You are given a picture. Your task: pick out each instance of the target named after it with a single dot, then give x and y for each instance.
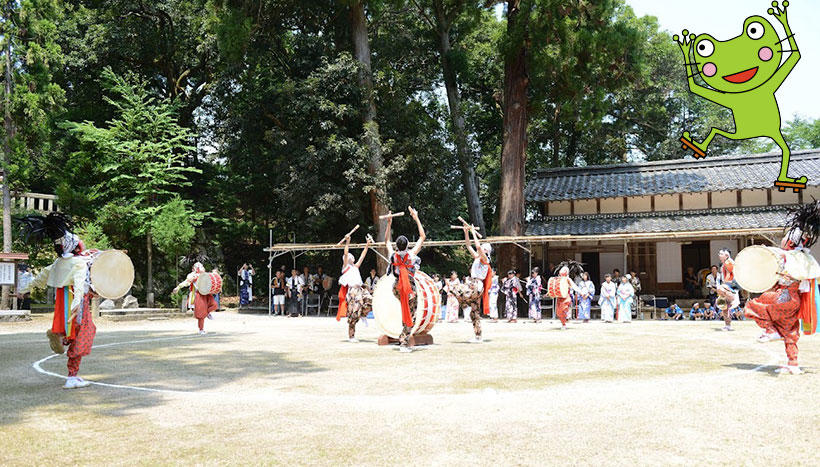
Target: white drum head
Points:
(756, 268)
(801, 265)
(386, 307)
(203, 284)
(112, 274)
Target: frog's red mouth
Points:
(742, 77)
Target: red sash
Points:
(404, 286)
(488, 282)
(342, 311)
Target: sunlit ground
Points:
(294, 391)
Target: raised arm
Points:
(467, 241)
(186, 283)
(780, 75)
(422, 235)
(478, 250)
(364, 252)
(691, 67)
(347, 248)
(388, 241)
(39, 280)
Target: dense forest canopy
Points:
(189, 128)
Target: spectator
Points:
(585, 300)
(616, 276)
(696, 312)
(625, 297)
(295, 293)
(534, 294)
(674, 311)
(451, 285)
(371, 280)
(712, 281)
(245, 274)
(608, 299)
(23, 282)
(493, 298)
(710, 312)
(690, 282)
(737, 313)
(511, 288)
(311, 286)
(636, 284)
(278, 286)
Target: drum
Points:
(757, 268)
(111, 274)
(387, 309)
(801, 265)
(558, 287)
(327, 284)
(209, 283)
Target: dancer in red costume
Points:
(202, 305)
(72, 325)
(795, 296)
(565, 272)
(404, 265)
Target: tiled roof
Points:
(665, 177)
(671, 221)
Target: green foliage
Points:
(173, 227)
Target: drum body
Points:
(558, 287)
(757, 268)
(387, 308)
(327, 284)
(111, 274)
(209, 283)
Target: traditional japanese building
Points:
(659, 218)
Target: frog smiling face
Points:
(742, 63)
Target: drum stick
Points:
(348, 234)
(395, 214)
(370, 238)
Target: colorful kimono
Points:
(244, 287)
(534, 295)
(625, 295)
(355, 301)
(607, 301)
(452, 300)
(585, 300)
(510, 290)
(68, 275)
(494, 298)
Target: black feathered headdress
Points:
(575, 268)
(804, 224)
(36, 227)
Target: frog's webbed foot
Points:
(689, 144)
(779, 11)
(684, 41)
(796, 184)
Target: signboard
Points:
(7, 272)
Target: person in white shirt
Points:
(626, 292)
(476, 288)
(295, 292)
(607, 301)
(371, 280)
(355, 300)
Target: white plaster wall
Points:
(753, 198)
(724, 199)
(586, 206)
(559, 208)
(612, 205)
(639, 203)
(695, 201)
(666, 203)
(669, 265)
(786, 197)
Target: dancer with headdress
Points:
(564, 271)
(404, 263)
(355, 301)
(202, 305)
(72, 323)
(795, 296)
(474, 292)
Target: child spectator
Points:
(710, 312)
(696, 312)
(674, 311)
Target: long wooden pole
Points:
(9, 127)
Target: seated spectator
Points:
(674, 311)
(690, 282)
(696, 312)
(710, 312)
(737, 313)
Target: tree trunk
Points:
(149, 281)
(9, 129)
(514, 149)
(468, 178)
(361, 50)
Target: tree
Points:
(30, 97)
(444, 15)
(140, 168)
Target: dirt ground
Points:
(262, 390)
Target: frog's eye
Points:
(755, 30)
(705, 48)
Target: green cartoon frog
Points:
(743, 75)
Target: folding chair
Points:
(333, 306)
(313, 301)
